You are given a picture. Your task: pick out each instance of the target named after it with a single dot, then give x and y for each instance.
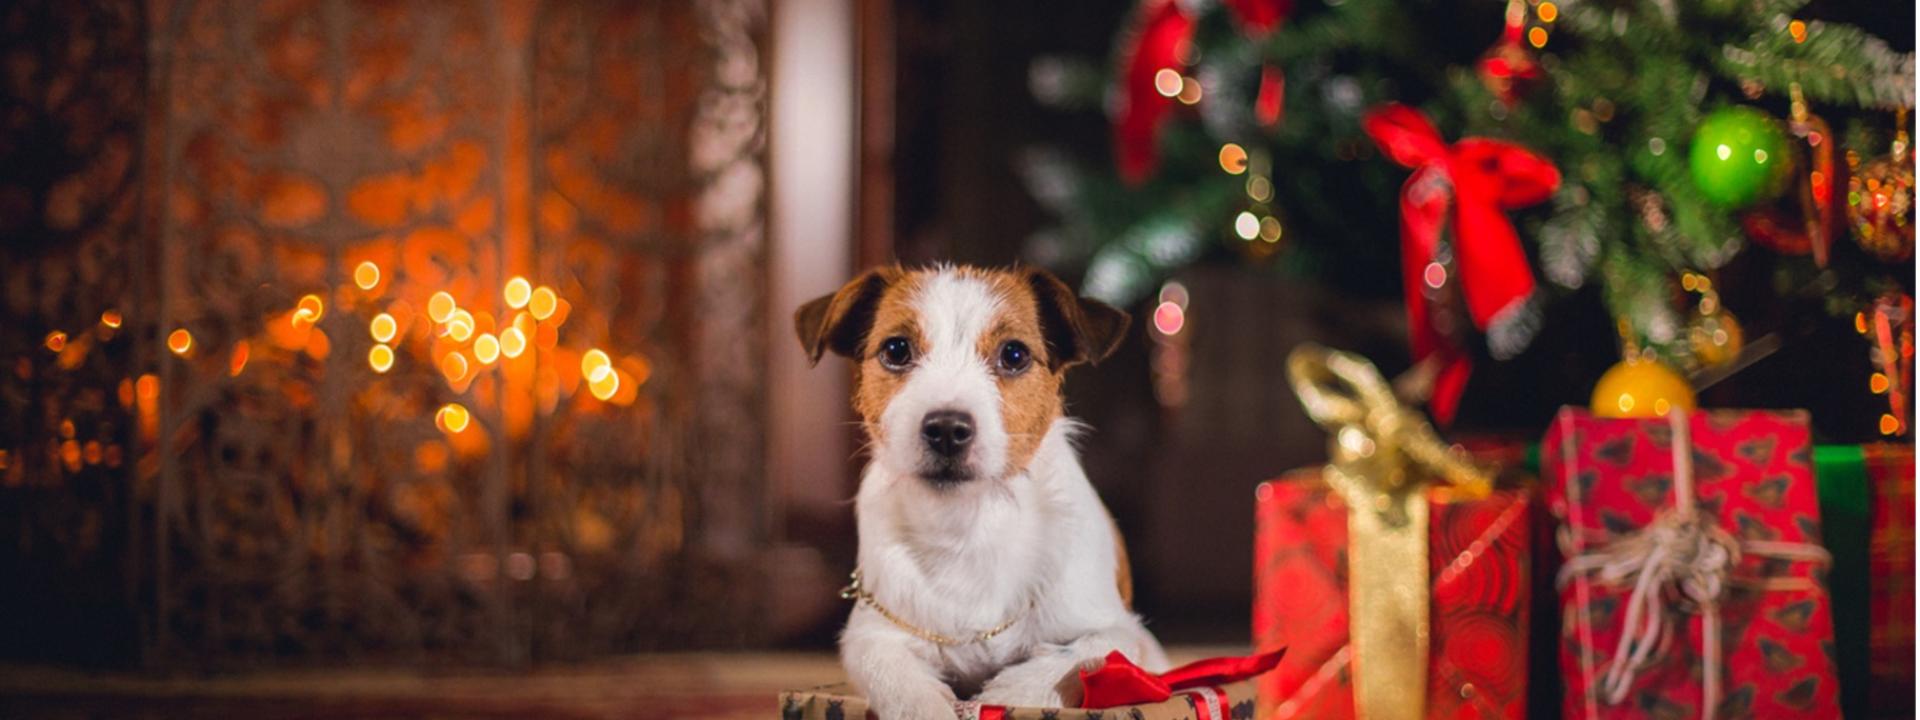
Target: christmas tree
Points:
(1638, 145)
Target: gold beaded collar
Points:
(859, 594)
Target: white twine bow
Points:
(1682, 558)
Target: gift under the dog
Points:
(1211, 689)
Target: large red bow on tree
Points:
(1478, 179)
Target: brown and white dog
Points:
(988, 564)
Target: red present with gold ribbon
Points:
(1694, 581)
(1395, 576)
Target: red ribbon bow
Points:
(1479, 178)
(1120, 682)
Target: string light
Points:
(1889, 424)
(1548, 12)
(1233, 159)
(380, 358)
(1798, 29)
(604, 382)
(180, 341)
(110, 318)
(56, 341)
(310, 309)
(1169, 318)
(238, 361)
(1878, 383)
(1246, 225)
(1537, 37)
(486, 348)
(542, 302)
(366, 275)
(440, 306)
(1167, 82)
(512, 342)
(453, 417)
(1190, 91)
(1259, 188)
(517, 292)
(1270, 229)
(383, 327)
(592, 360)
(460, 325)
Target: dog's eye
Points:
(1014, 357)
(896, 353)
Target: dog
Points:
(988, 567)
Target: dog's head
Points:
(959, 368)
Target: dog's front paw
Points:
(1035, 683)
(916, 706)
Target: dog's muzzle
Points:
(947, 435)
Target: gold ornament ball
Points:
(1640, 388)
(1716, 338)
(1880, 208)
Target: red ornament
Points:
(1508, 69)
(1473, 182)
(1141, 108)
(1259, 17)
(1819, 220)
(1271, 100)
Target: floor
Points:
(698, 686)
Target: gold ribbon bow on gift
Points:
(1689, 552)
(1385, 457)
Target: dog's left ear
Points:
(1076, 329)
(839, 322)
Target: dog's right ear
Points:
(839, 322)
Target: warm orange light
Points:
(453, 417)
(56, 341)
(380, 358)
(1537, 37)
(440, 306)
(460, 326)
(366, 275)
(1860, 323)
(110, 318)
(1878, 383)
(604, 382)
(383, 327)
(180, 341)
(591, 361)
(1190, 91)
(1233, 159)
(454, 366)
(542, 302)
(1798, 29)
(486, 348)
(1889, 425)
(512, 342)
(310, 306)
(518, 292)
(148, 388)
(1167, 82)
(1548, 12)
(318, 345)
(238, 361)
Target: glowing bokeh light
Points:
(542, 302)
(486, 348)
(312, 307)
(366, 275)
(56, 341)
(1246, 225)
(453, 417)
(604, 382)
(1233, 159)
(460, 326)
(1169, 318)
(518, 292)
(1167, 82)
(592, 360)
(383, 327)
(440, 306)
(454, 366)
(236, 363)
(110, 318)
(512, 342)
(380, 358)
(180, 341)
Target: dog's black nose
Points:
(947, 432)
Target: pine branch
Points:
(1837, 64)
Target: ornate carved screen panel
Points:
(445, 329)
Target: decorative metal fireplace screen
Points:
(340, 328)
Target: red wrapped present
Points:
(1395, 576)
(1477, 560)
(1694, 582)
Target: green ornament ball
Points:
(1739, 157)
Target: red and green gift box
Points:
(1694, 581)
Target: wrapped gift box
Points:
(1479, 563)
(1608, 480)
(1866, 513)
(1235, 700)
